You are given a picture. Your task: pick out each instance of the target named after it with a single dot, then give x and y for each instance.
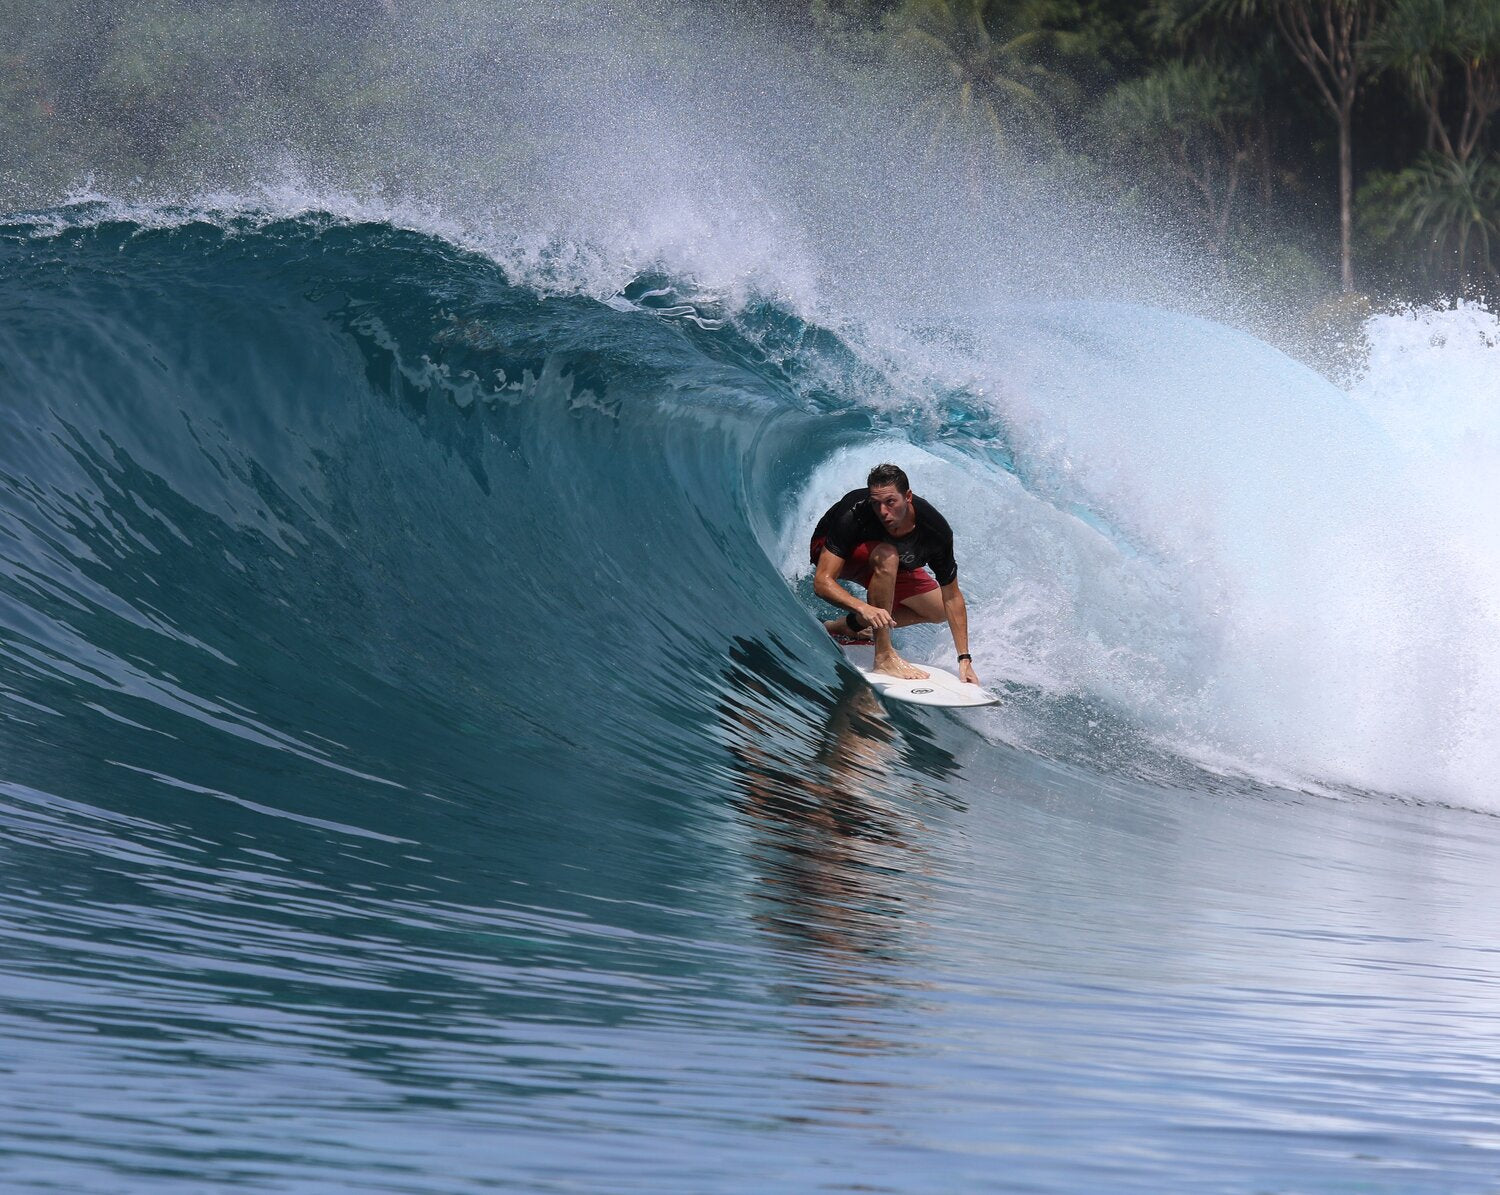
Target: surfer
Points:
(881, 537)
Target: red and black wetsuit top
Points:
(852, 521)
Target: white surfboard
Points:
(940, 688)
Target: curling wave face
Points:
(341, 494)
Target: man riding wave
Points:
(881, 538)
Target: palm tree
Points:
(1451, 205)
(1191, 126)
(1448, 54)
(990, 98)
(1327, 38)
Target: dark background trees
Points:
(1360, 131)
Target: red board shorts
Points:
(857, 569)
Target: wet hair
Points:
(889, 475)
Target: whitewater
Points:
(422, 768)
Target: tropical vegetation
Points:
(1362, 130)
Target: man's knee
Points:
(884, 558)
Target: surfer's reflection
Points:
(839, 861)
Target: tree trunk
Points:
(1346, 198)
(1326, 37)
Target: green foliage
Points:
(1448, 208)
(121, 89)
(1096, 43)
(1447, 52)
(1189, 125)
(1412, 41)
(992, 88)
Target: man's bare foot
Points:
(894, 665)
(839, 629)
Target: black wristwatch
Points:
(965, 656)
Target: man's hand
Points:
(966, 672)
(876, 618)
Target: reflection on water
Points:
(838, 852)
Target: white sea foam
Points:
(1260, 572)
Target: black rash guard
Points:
(852, 521)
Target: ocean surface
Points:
(422, 769)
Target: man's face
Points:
(893, 507)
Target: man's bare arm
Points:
(958, 623)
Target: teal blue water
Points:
(417, 774)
